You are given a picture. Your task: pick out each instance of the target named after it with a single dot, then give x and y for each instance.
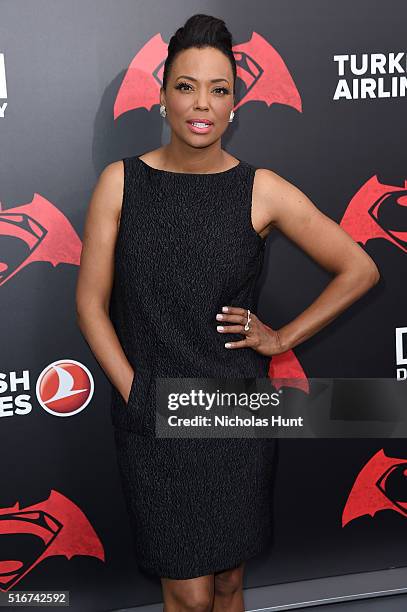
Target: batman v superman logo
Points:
(55, 526)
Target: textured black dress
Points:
(186, 247)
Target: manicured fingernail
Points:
(225, 309)
(219, 327)
(228, 345)
(219, 317)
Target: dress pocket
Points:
(139, 387)
(133, 384)
(131, 414)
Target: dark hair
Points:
(200, 31)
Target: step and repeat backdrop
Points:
(321, 99)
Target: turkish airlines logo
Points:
(65, 387)
(3, 86)
(42, 232)
(361, 76)
(58, 526)
(260, 67)
(377, 487)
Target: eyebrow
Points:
(185, 76)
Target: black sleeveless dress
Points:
(186, 247)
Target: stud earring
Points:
(163, 112)
(232, 114)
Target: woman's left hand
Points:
(259, 336)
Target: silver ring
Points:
(247, 326)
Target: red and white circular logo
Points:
(64, 387)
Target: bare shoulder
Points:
(114, 170)
(107, 196)
(112, 178)
(268, 191)
(268, 183)
(265, 175)
(279, 201)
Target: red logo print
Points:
(259, 66)
(376, 488)
(64, 387)
(60, 528)
(43, 233)
(378, 211)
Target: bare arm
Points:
(95, 278)
(286, 208)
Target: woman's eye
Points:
(186, 86)
(181, 85)
(223, 89)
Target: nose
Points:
(201, 100)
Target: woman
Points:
(173, 244)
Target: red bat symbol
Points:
(385, 218)
(259, 66)
(286, 371)
(59, 525)
(369, 493)
(45, 233)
